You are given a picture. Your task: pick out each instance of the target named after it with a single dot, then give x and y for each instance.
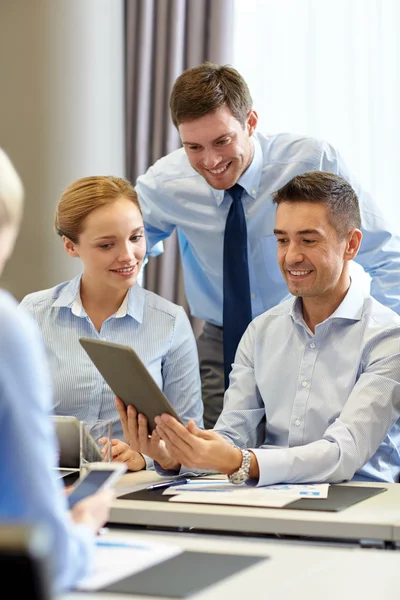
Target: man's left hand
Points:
(197, 448)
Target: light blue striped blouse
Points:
(158, 330)
(318, 407)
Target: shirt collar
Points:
(352, 304)
(132, 305)
(250, 180)
(69, 296)
(350, 308)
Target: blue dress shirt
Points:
(173, 195)
(158, 330)
(321, 407)
(30, 493)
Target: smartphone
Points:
(101, 475)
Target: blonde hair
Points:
(85, 195)
(11, 193)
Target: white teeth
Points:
(299, 272)
(125, 270)
(217, 171)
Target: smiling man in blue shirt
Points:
(187, 190)
(314, 392)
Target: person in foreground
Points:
(314, 393)
(100, 222)
(30, 492)
(216, 192)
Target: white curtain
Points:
(329, 69)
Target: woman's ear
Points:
(69, 247)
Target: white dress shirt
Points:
(321, 407)
(174, 196)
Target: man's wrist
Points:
(137, 462)
(235, 462)
(144, 461)
(254, 468)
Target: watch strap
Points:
(243, 472)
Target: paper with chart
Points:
(242, 497)
(301, 490)
(117, 558)
(294, 491)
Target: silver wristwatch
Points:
(243, 472)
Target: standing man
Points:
(217, 192)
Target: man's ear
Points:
(252, 120)
(353, 244)
(69, 247)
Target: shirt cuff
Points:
(273, 466)
(149, 462)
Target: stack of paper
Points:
(224, 492)
(116, 559)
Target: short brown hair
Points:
(322, 187)
(203, 90)
(85, 195)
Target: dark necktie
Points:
(237, 303)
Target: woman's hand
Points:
(94, 511)
(122, 452)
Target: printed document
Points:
(317, 490)
(116, 559)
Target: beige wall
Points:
(61, 117)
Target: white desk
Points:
(373, 519)
(396, 532)
(304, 572)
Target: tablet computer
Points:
(128, 378)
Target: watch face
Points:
(238, 477)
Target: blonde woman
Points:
(100, 222)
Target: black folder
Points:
(183, 575)
(339, 497)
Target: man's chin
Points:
(299, 292)
(224, 182)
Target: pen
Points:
(120, 545)
(166, 484)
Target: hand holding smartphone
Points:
(101, 475)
